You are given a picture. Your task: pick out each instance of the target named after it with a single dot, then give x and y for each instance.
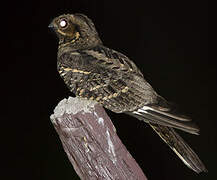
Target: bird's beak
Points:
(51, 26)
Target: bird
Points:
(95, 72)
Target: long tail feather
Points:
(163, 117)
(180, 147)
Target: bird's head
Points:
(75, 30)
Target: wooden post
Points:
(90, 141)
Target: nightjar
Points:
(95, 72)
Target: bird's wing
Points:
(156, 109)
(180, 147)
(126, 88)
(113, 80)
(106, 76)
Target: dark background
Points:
(168, 40)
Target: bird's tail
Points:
(162, 117)
(180, 147)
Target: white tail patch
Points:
(142, 110)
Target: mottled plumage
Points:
(95, 72)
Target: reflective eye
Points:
(63, 23)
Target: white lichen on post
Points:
(72, 106)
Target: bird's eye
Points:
(63, 23)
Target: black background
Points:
(168, 40)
